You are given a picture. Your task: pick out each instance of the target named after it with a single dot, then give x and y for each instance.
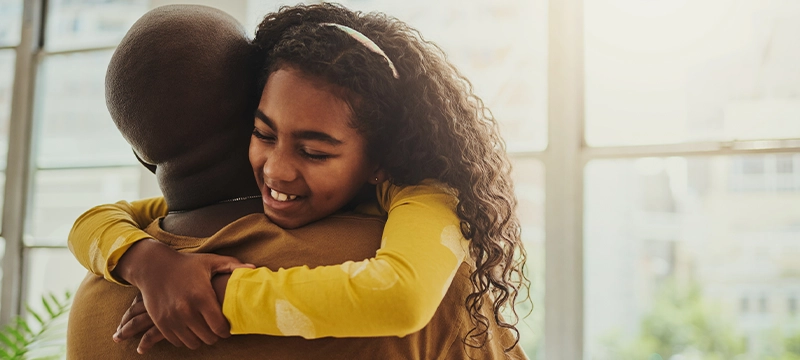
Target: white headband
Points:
(371, 45)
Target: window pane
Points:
(2, 195)
(51, 271)
(257, 9)
(7, 58)
(10, 22)
(79, 24)
(2, 256)
(692, 257)
(60, 196)
(676, 71)
(76, 129)
(529, 182)
(500, 46)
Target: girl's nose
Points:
(279, 166)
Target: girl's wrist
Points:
(133, 263)
(220, 282)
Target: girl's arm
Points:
(393, 294)
(108, 241)
(101, 236)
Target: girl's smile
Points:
(278, 200)
(307, 158)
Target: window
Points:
(687, 120)
(484, 41)
(10, 26)
(744, 305)
(64, 173)
(660, 138)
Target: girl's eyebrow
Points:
(301, 134)
(264, 118)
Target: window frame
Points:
(21, 165)
(18, 169)
(565, 157)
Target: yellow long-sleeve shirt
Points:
(393, 294)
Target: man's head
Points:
(181, 87)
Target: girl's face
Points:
(307, 159)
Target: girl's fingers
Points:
(149, 339)
(134, 326)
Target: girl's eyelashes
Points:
(269, 138)
(315, 157)
(259, 135)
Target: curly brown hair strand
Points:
(437, 127)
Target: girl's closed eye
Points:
(263, 136)
(315, 155)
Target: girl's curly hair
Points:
(434, 124)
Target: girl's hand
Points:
(136, 321)
(176, 292)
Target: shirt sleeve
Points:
(393, 294)
(101, 235)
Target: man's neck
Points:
(208, 220)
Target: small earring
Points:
(376, 179)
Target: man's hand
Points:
(176, 293)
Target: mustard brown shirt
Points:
(99, 304)
(401, 285)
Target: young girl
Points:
(416, 117)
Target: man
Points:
(180, 88)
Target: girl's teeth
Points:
(281, 196)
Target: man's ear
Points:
(150, 167)
(378, 176)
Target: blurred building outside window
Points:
(672, 238)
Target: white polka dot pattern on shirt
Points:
(353, 268)
(116, 245)
(291, 321)
(373, 274)
(96, 257)
(452, 239)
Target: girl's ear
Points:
(378, 176)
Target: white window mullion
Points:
(564, 183)
(18, 171)
(709, 148)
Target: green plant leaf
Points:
(19, 341)
(48, 308)
(10, 344)
(21, 324)
(18, 336)
(4, 354)
(35, 315)
(55, 300)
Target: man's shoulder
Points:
(363, 214)
(356, 217)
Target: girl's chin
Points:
(282, 221)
